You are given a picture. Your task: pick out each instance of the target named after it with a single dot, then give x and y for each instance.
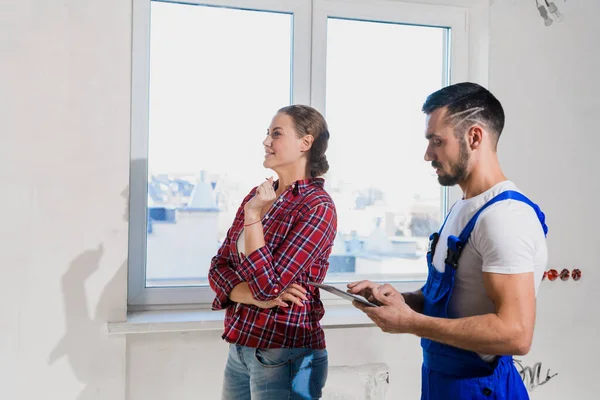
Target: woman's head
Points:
(298, 134)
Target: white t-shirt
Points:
(507, 239)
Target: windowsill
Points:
(339, 313)
(336, 316)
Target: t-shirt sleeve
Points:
(508, 236)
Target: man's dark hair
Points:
(467, 103)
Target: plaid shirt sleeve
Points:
(268, 274)
(222, 276)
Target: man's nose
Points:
(429, 154)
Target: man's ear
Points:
(307, 142)
(475, 137)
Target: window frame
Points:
(309, 53)
(140, 296)
(456, 40)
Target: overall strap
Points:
(456, 244)
(434, 237)
(506, 195)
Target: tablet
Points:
(342, 294)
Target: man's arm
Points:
(507, 331)
(508, 280)
(415, 300)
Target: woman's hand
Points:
(294, 294)
(264, 195)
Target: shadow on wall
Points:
(92, 354)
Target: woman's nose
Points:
(267, 141)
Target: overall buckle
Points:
(433, 239)
(455, 247)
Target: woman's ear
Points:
(307, 142)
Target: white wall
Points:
(188, 366)
(548, 79)
(64, 115)
(64, 148)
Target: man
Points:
(477, 308)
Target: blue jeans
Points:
(274, 374)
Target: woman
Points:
(280, 240)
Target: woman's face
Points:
(282, 145)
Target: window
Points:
(207, 79)
(387, 197)
(208, 109)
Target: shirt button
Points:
(266, 217)
(280, 200)
(487, 391)
(276, 291)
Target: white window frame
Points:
(309, 52)
(451, 17)
(140, 296)
(454, 18)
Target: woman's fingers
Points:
(296, 293)
(298, 288)
(279, 302)
(266, 190)
(293, 294)
(290, 297)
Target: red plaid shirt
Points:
(299, 231)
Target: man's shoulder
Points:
(508, 213)
(513, 211)
(509, 218)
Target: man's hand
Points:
(364, 289)
(294, 294)
(393, 315)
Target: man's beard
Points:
(458, 171)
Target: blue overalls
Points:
(450, 373)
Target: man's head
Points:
(461, 119)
